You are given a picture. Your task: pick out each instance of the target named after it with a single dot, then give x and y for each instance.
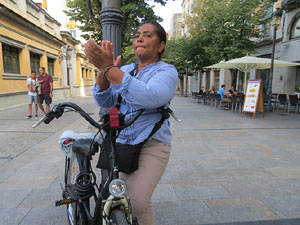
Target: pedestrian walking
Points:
(32, 94)
(46, 85)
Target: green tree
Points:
(176, 54)
(134, 12)
(225, 28)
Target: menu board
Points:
(251, 96)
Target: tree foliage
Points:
(186, 54)
(225, 28)
(134, 12)
(290, 5)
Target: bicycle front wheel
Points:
(118, 217)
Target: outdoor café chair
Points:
(293, 101)
(240, 101)
(234, 101)
(199, 97)
(283, 101)
(204, 98)
(209, 98)
(217, 100)
(275, 100)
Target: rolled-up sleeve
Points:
(105, 98)
(157, 91)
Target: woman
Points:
(148, 84)
(233, 91)
(212, 90)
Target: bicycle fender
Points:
(111, 203)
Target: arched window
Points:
(295, 31)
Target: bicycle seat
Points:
(84, 146)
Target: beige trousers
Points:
(142, 183)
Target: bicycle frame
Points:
(102, 211)
(103, 206)
(83, 155)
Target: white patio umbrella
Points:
(247, 63)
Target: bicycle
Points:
(112, 205)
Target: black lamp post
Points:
(275, 22)
(111, 19)
(186, 83)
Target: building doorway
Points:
(207, 81)
(264, 76)
(234, 74)
(297, 83)
(217, 80)
(68, 76)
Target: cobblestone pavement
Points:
(224, 168)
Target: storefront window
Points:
(51, 66)
(34, 62)
(295, 32)
(10, 59)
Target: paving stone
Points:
(12, 216)
(253, 188)
(230, 213)
(283, 187)
(284, 206)
(262, 222)
(238, 163)
(164, 192)
(200, 191)
(30, 182)
(285, 172)
(41, 198)
(251, 203)
(46, 216)
(12, 198)
(182, 213)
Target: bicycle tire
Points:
(118, 217)
(75, 213)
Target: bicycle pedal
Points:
(63, 202)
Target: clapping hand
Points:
(101, 56)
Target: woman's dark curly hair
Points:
(161, 33)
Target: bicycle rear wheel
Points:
(75, 211)
(118, 217)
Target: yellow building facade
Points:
(30, 38)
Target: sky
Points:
(167, 11)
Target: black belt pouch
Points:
(127, 156)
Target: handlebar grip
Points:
(56, 111)
(48, 118)
(38, 122)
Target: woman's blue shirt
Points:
(154, 86)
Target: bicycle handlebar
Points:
(58, 110)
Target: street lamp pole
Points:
(275, 22)
(186, 83)
(111, 20)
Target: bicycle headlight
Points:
(117, 188)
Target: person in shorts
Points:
(46, 85)
(32, 95)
